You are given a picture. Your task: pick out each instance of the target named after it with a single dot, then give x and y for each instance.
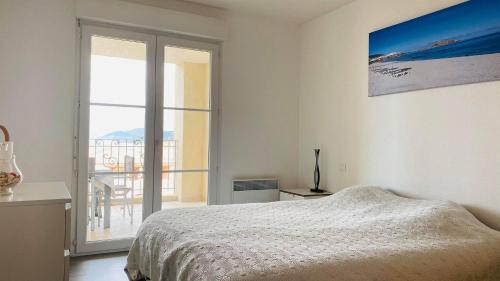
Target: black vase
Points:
(316, 174)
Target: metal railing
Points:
(114, 156)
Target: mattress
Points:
(360, 233)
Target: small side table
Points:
(301, 194)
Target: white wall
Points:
(260, 82)
(441, 143)
(37, 84)
(132, 14)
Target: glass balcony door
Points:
(116, 137)
(147, 131)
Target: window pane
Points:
(118, 71)
(116, 146)
(116, 138)
(116, 133)
(185, 140)
(186, 189)
(187, 78)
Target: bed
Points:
(360, 233)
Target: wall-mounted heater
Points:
(255, 190)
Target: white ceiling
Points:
(298, 11)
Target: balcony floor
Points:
(121, 226)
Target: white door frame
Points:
(153, 126)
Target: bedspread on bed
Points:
(360, 233)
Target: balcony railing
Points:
(126, 157)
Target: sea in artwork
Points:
(483, 45)
(463, 54)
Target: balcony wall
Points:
(194, 142)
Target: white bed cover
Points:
(361, 233)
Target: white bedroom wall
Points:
(37, 84)
(260, 86)
(440, 143)
(145, 16)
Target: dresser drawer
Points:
(32, 242)
(35, 233)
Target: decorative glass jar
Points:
(10, 175)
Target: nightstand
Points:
(301, 194)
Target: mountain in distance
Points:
(382, 58)
(134, 134)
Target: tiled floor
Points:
(122, 227)
(99, 268)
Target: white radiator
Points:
(255, 190)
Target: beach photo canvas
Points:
(455, 46)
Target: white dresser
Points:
(300, 194)
(35, 233)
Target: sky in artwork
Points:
(466, 20)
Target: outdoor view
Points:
(117, 134)
(454, 46)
